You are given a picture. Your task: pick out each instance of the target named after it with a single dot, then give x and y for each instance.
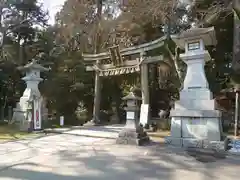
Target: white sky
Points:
(53, 7)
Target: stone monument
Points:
(194, 121)
(28, 113)
(132, 133)
(114, 119)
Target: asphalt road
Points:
(74, 157)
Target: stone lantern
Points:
(132, 133)
(28, 113)
(195, 122)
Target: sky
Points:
(53, 6)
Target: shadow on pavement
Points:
(206, 155)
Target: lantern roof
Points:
(33, 66)
(206, 34)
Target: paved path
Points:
(109, 131)
(72, 156)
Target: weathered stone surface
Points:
(216, 145)
(132, 137)
(91, 123)
(202, 94)
(173, 141)
(219, 146)
(195, 143)
(199, 104)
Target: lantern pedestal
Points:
(133, 133)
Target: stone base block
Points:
(173, 141)
(196, 143)
(132, 137)
(196, 113)
(91, 123)
(195, 104)
(201, 94)
(192, 143)
(194, 127)
(25, 126)
(114, 119)
(216, 145)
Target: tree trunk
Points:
(236, 55)
(236, 45)
(97, 88)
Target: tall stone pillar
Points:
(144, 118)
(97, 98)
(144, 83)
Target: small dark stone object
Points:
(154, 127)
(147, 126)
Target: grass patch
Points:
(11, 132)
(58, 126)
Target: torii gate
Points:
(121, 65)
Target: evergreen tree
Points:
(18, 29)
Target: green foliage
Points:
(218, 70)
(67, 85)
(21, 16)
(19, 19)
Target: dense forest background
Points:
(92, 26)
